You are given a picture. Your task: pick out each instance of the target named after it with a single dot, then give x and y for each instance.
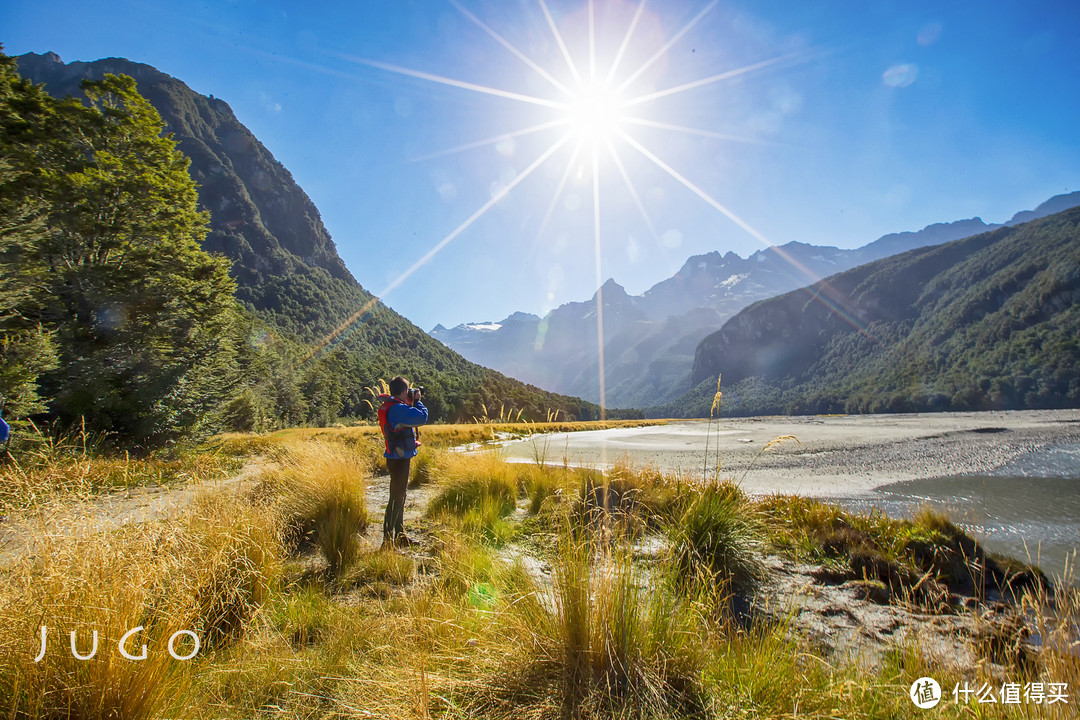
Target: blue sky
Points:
(828, 123)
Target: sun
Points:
(596, 113)
(594, 109)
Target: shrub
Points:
(715, 540)
(321, 494)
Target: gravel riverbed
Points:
(827, 456)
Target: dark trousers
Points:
(394, 520)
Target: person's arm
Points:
(408, 416)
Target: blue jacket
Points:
(399, 416)
(5, 430)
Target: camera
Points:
(414, 392)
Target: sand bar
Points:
(830, 456)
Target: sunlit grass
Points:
(716, 541)
(465, 433)
(922, 559)
(58, 470)
(207, 572)
(320, 489)
(507, 614)
(476, 493)
(382, 566)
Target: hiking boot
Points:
(404, 541)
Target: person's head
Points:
(399, 386)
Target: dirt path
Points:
(416, 502)
(23, 534)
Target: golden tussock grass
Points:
(476, 493)
(319, 489)
(206, 571)
(545, 621)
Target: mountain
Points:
(1056, 204)
(259, 217)
(895, 243)
(286, 266)
(650, 339)
(986, 322)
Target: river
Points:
(1010, 479)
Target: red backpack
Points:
(400, 442)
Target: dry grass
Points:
(717, 541)
(423, 466)
(585, 629)
(320, 490)
(624, 642)
(56, 471)
(442, 436)
(922, 560)
(207, 572)
(382, 566)
(476, 493)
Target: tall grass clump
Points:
(424, 467)
(206, 572)
(321, 493)
(478, 492)
(239, 551)
(380, 567)
(921, 560)
(609, 641)
(84, 587)
(716, 540)
(541, 482)
(658, 498)
(1057, 622)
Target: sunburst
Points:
(595, 112)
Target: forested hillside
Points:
(650, 339)
(115, 314)
(987, 322)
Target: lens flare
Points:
(595, 106)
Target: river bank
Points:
(675, 599)
(825, 456)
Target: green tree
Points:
(141, 316)
(26, 349)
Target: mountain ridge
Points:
(651, 338)
(990, 321)
(286, 265)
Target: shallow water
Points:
(1029, 509)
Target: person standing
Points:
(399, 416)
(5, 429)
